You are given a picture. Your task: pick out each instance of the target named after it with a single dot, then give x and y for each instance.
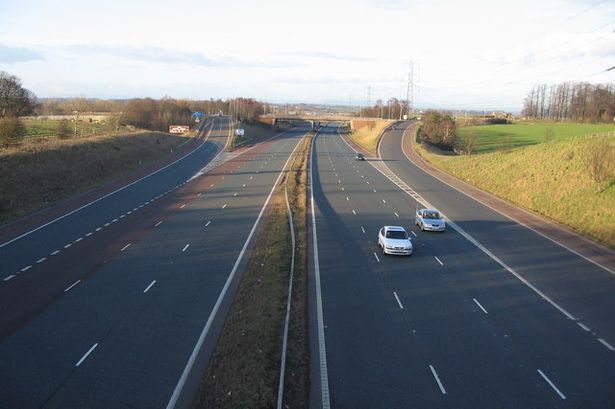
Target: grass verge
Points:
(244, 369)
(552, 179)
(368, 133)
(253, 134)
(38, 175)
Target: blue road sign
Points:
(198, 114)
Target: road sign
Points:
(239, 132)
(178, 129)
(198, 114)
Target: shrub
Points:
(64, 130)
(12, 130)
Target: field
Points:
(490, 138)
(49, 127)
(552, 179)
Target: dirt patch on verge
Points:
(244, 369)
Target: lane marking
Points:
(396, 214)
(367, 182)
(7, 278)
(362, 229)
(26, 268)
(107, 224)
(353, 212)
(68, 245)
(376, 256)
(89, 234)
(149, 286)
(55, 252)
(102, 197)
(129, 212)
(347, 199)
(79, 239)
(225, 204)
(86, 355)
(384, 201)
(125, 247)
(212, 185)
(199, 194)
(235, 195)
(325, 402)
(40, 260)
(72, 285)
(413, 233)
(435, 375)
(374, 190)
(580, 324)
(158, 224)
(114, 220)
(244, 185)
(480, 306)
(189, 365)
(182, 206)
(438, 260)
(208, 223)
(606, 344)
(398, 301)
(561, 395)
(186, 247)
(122, 216)
(342, 188)
(98, 229)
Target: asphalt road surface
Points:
(471, 320)
(124, 304)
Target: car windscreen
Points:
(393, 234)
(432, 215)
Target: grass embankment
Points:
(244, 369)
(38, 175)
(490, 138)
(552, 179)
(253, 134)
(366, 133)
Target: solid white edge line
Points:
(184, 376)
(149, 286)
(486, 251)
(324, 376)
(480, 306)
(561, 395)
(509, 217)
(72, 285)
(86, 355)
(398, 301)
(606, 344)
(435, 375)
(103, 197)
(438, 260)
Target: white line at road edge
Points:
(505, 215)
(184, 377)
(322, 352)
(103, 197)
(472, 240)
(561, 395)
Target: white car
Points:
(429, 219)
(394, 240)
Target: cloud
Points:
(12, 55)
(337, 57)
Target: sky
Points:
(466, 55)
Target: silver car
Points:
(429, 219)
(394, 240)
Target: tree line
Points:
(571, 101)
(393, 109)
(146, 113)
(438, 129)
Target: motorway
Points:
(488, 314)
(119, 295)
